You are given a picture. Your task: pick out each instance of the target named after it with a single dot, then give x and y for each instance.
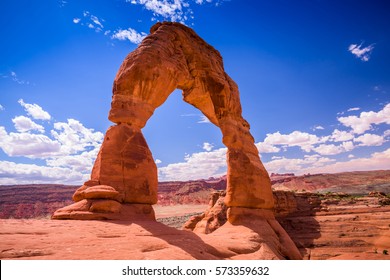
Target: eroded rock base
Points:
(105, 209)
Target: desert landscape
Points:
(107, 196)
(353, 224)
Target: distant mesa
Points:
(123, 183)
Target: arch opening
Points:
(172, 57)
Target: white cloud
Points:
(341, 136)
(207, 146)
(204, 119)
(300, 139)
(157, 161)
(14, 77)
(69, 151)
(200, 2)
(362, 53)
(364, 122)
(318, 127)
(25, 124)
(316, 164)
(266, 148)
(329, 149)
(35, 111)
(91, 21)
(129, 34)
(296, 165)
(196, 166)
(1, 108)
(78, 162)
(74, 137)
(353, 109)
(348, 146)
(377, 161)
(97, 21)
(370, 140)
(175, 10)
(27, 145)
(18, 173)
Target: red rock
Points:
(99, 191)
(174, 56)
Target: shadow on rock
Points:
(296, 214)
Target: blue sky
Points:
(313, 76)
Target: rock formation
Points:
(173, 57)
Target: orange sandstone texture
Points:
(173, 57)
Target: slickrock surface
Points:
(331, 226)
(72, 239)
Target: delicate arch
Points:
(172, 56)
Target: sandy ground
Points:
(178, 210)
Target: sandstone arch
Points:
(172, 56)
(123, 181)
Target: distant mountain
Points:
(31, 201)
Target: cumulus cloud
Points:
(207, 146)
(157, 161)
(1, 108)
(176, 10)
(196, 166)
(78, 162)
(129, 34)
(363, 53)
(19, 173)
(300, 139)
(341, 136)
(266, 148)
(76, 20)
(68, 151)
(376, 161)
(364, 122)
(27, 145)
(370, 140)
(296, 165)
(25, 124)
(319, 151)
(173, 10)
(74, 137)
(328, 149)
(35, 111)
(316, 164)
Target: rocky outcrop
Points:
(173, 56)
